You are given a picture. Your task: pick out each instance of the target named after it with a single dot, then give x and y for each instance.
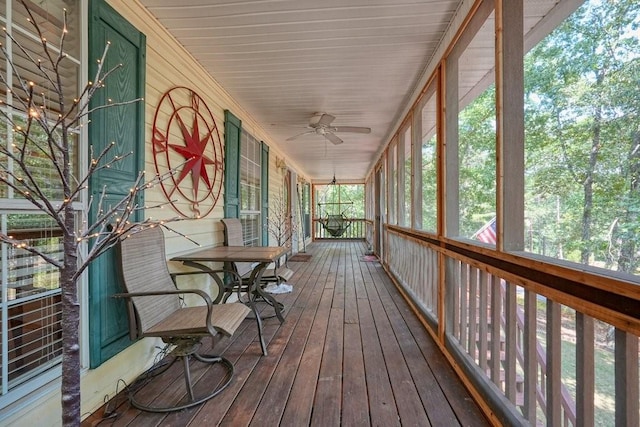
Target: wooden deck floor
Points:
(350, 353)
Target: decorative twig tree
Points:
(280, 224)
(43, 126)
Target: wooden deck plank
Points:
(351, 352)
(355, 408)
(457, 397)
(407, 399)
(328, 401)
(249, 398)
(327, 405)
(354, 390)
(426, 385)
(272, 404)
(274, 401)
(352, 277)
(299, 406)
(382, 407)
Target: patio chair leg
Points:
(187, 377)
(192, 399)
(252, 305)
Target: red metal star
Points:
(193, 152)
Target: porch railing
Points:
(356, 230)
(528, 347)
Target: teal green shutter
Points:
(232, 128)
(264, 189)
(124, 125)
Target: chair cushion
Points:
(225, 319)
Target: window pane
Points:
(49, 17)
(582, 173)
(19, 69)
(250, 176)
(477, 132)
(32, 289)
(38, 160)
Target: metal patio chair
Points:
(155, 310)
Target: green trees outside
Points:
(582, 102)
(582, 152)
(335, 199)
(477, 162)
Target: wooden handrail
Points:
(446, 280)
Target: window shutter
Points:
(107, 316)
(264, 188)
(232, 129)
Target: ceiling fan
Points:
(320, 124)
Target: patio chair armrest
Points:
(129, 295)
(222, 287)
(202, 294)
(211, 328)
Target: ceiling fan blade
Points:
(334, 139)
(291, 138)
(325, 120)
(351, 129)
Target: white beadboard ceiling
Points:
(284, 60)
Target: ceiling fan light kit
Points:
(320, 124)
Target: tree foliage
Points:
(582, 130)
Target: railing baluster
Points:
(585, 370)
(464, 305)
(473, 315)
(530, 355)
(496, 338)
(451, 300)
(510, 338)
(426, 274)
(626, 357)
(455, 289)
(554, 360)
(483, 322)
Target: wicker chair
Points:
(154, 309)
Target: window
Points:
(582, 173)
(32, 335)
(30, 325)
(250, 174)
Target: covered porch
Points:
(350, 352)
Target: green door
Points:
(124, 125)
